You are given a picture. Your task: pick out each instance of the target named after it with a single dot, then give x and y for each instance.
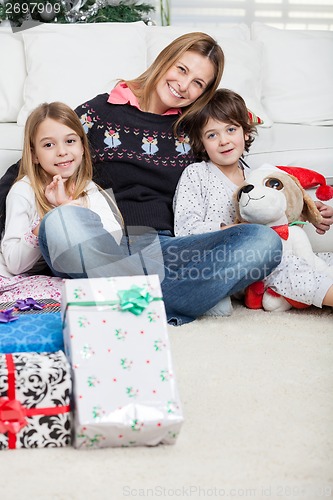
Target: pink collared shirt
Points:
(121, 94)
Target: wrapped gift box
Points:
(124, 388)
(35, 390)
(32, 333)
(28, 325)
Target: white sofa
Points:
(285, 77)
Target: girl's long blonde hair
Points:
(201, 43)
(76, 184)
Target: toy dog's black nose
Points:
(245, 189)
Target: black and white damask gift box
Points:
(35, 391)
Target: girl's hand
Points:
(327, 213)
(55, 192)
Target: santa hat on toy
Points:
(310, 179)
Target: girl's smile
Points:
(64, 163)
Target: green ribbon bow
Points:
(134, 300)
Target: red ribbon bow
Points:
(12, 416)
(12, 413)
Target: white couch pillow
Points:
(73, 63)
(13, 74)
(159, 37)
(297, 74)
(243, 61)
(243, 74)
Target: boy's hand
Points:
(326, 212)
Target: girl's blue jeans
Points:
(195, 271)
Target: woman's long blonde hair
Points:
(198, 42)
(76, 184)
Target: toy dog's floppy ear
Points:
(238, 218)
(310, 211)
(307, 179)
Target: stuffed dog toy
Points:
(273, 197)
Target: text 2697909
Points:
(32, 7)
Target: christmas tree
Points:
(72, 11)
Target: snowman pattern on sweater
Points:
(113, 136)
(111, 139)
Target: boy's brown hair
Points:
(225, 106)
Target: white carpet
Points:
(256, 390)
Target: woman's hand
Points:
(326, 212)
(55, 192)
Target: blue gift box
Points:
(32, 333)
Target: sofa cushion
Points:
(165, 34)
(11, 136)
(73, 63)
(13, 74)
(297, 74)
(243, 60)
(11, 141)
(294, 144)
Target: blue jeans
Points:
(195, 271)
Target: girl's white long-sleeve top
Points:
(19, 251)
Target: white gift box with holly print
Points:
(116, 338)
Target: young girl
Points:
(55, 170)
(203, 200)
